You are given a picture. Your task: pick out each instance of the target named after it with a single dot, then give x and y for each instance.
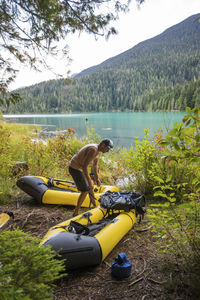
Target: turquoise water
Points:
(121, 127)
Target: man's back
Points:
(81, 156)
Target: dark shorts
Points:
(79, 179)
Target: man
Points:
(78, 168)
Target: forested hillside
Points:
(161, 73)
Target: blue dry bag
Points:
(121, 267)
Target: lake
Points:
(121, 127)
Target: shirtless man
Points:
(78, 168)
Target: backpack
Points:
(123, 201)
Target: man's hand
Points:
(91, 186)
(98, 182)
(92, 197)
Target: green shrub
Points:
(177, 226)
(177, 232)
(5, 150)
(62, 148)
(27, 271)
(141, 162)
(1, 116)
(6, 164)
(181, 147)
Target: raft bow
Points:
(86, 240)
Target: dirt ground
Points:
(147, 280)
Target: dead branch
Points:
(157, 282)
(139, 246)
(135, 281)
(17, 204)
(143, 297)
(145, 229)
(26, 220)
(126, 240)
(144, 270)
(105, 262)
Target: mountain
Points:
(176, 37)
(161, 73)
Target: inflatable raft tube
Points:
(93, 245)
(53, 191)
(5, 217)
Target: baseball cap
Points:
(108, 143)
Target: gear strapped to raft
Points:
(90, 229)
(123, 201)
(50, 185)
(112, 201)
(58, 181)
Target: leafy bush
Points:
(177, 226)
(5, 150)
(1, 116)
(5, 163)
(177, 232)
(141, 162)
(12, 149)
(27, 271)
(182, 156)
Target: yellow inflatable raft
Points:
(53, 191)
(5, 217)
(87, 239)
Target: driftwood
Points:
(135, 281)
(157, 282)
(145, 229)
(26, 220)
(143, 298)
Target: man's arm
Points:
(91, 153)
(95, 170)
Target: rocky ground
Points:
(147, 281)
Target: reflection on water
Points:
(121, 127)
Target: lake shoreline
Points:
(121, 127)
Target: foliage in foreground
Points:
(27, 271)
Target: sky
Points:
(153, 17)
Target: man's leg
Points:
(79, 202)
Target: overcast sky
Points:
(151, 19)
